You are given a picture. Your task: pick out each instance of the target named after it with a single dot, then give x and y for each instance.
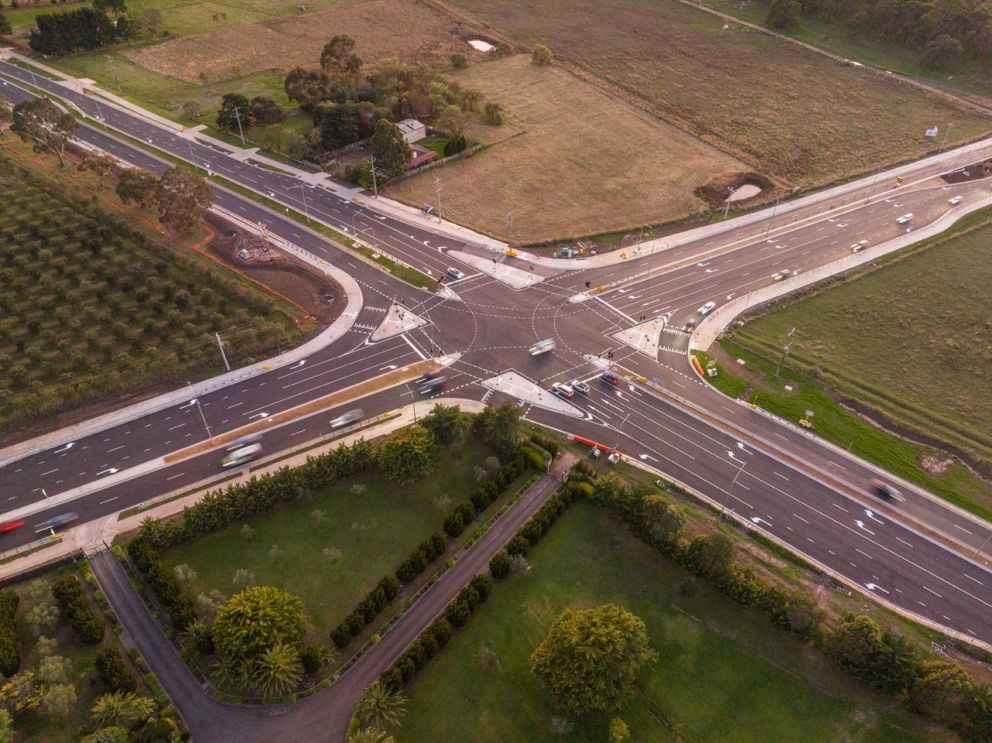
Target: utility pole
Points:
(220, 345)
(241, 133)
(509, 228)
(726, 208)
(375, 188)
(785, 351)
(944, 140)
(303, 192)
(202, 416)
(437, 193)
(772, 218)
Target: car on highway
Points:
(783, 274)
(610, 378)
(57, 522)
(455, 274)
(352, 416)
(563, 390)
(955, 200)
(859, 246)
(882, 488)
(690, 325)
(243, 441)
(9, 526)
(548, 344)
(432, 385)
(706, 309)
(242, 456)
(905, 218)
(579, 386)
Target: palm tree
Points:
(370, 735)
(278, 670)
(120, 708)
(380, 707)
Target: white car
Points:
(779, 275)
(905, 218)
(859, 246)
(563, 390)
(455, 274)
(242, 456)
(955, 200)
(350, 417)
(579, 386)
(548, 344)
(706, 309)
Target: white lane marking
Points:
(904, 542)
(961, 528)
(864, 553)
(840, 507)
(235, 405)
(109, 499)
(173, 428)
(415, 349)
(297, 433)
(175, 476)
(974, 579)
(110, 451)
(933, 592)
(800, 518)
(782, 476)
(49, 472)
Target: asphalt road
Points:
(491, 327)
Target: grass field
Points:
(570, 161)
(365, 536)
(92, 307)
(792, 113)
(723, 673)
(910, 340)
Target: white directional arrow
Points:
(646, 456)
(258, 415)
(742, 447)
(703, 264)
(191, 403)
(298, 364)
(758, 520)
(109, 471)
(711, 270)
(67, 447)
(861, 525)
(390, 367)
(875, 587)
(622, 291)
(871, 514)
(730, 296)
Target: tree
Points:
(339, 61)
(235, 111)
(943, 691)
(711, 555)
(541, 56)
(662, 518)
(98, 163)
(54, 669)
(6, 113)
(493, 114)
(458, 60)
(499, 426)
(138, 186)
(618, 732)
(452, 120)
(257, 619)
(370, 735)
(58, 34)
(151, 20)
(112, 669)
(58, 700)
(267, 111)
(123, 708)
(409, 454)
(39, 122)
(6, 719)
(306, 87)
(278, 670)
(590, 657)
(340, 124)
(392, 153)
(446, 422)
(380, 707)
(112, 734)
(4, 24)
(856, 644)
(942, 51)
(183, 199)
(499, 565)
(192, 110)
(783, 15)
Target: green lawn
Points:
(723, 672)
(370, 533)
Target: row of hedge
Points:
(70, 595)
(476, 592)
(934, 688)
(10, 658)
(177, 602)
(431, 548)
(113, 671)
(220, 508)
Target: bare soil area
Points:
(570, 161)
(407, 29)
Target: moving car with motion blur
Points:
(610, 378)
(9, 526)
(883, 489)
(242, 456)
(352, 416)
(548, 344)
(432, 385)
(57, 522)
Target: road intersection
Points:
(922, 557)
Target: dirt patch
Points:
(407, 29)
(971, 173)
(934, 465)
(715, 193)
(320, 295)
(570, 161)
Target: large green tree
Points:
(391, 151)
(499, 426)
(4, 23)
(256, 620)
(380, 707)
(235, 110)
(662, 518)
(120, 708)
(41, 123)
(409, 454)
(590, 657)
(943, 691)
(139, 186)
(783, 15)
(339, 61)
(446, 422)
(712, 555)
(277, 671)
(183, 198)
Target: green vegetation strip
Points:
(25, 553)
(148, 506)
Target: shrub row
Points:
(936, 689)
(487, 492)
(259, 494)
(549, 445)
(10, 658)
(428, 551)
(163, 583)
(71, 598)
(113, 671)
(367, 610)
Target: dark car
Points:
(610, 378)
(435, 384)
(886, 491)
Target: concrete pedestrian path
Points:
(517, 385)
(398, 320)
(644, 337)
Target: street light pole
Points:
(437, 192)
(200, 408)
(772, 218)
(723, 508)
(303, 193)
